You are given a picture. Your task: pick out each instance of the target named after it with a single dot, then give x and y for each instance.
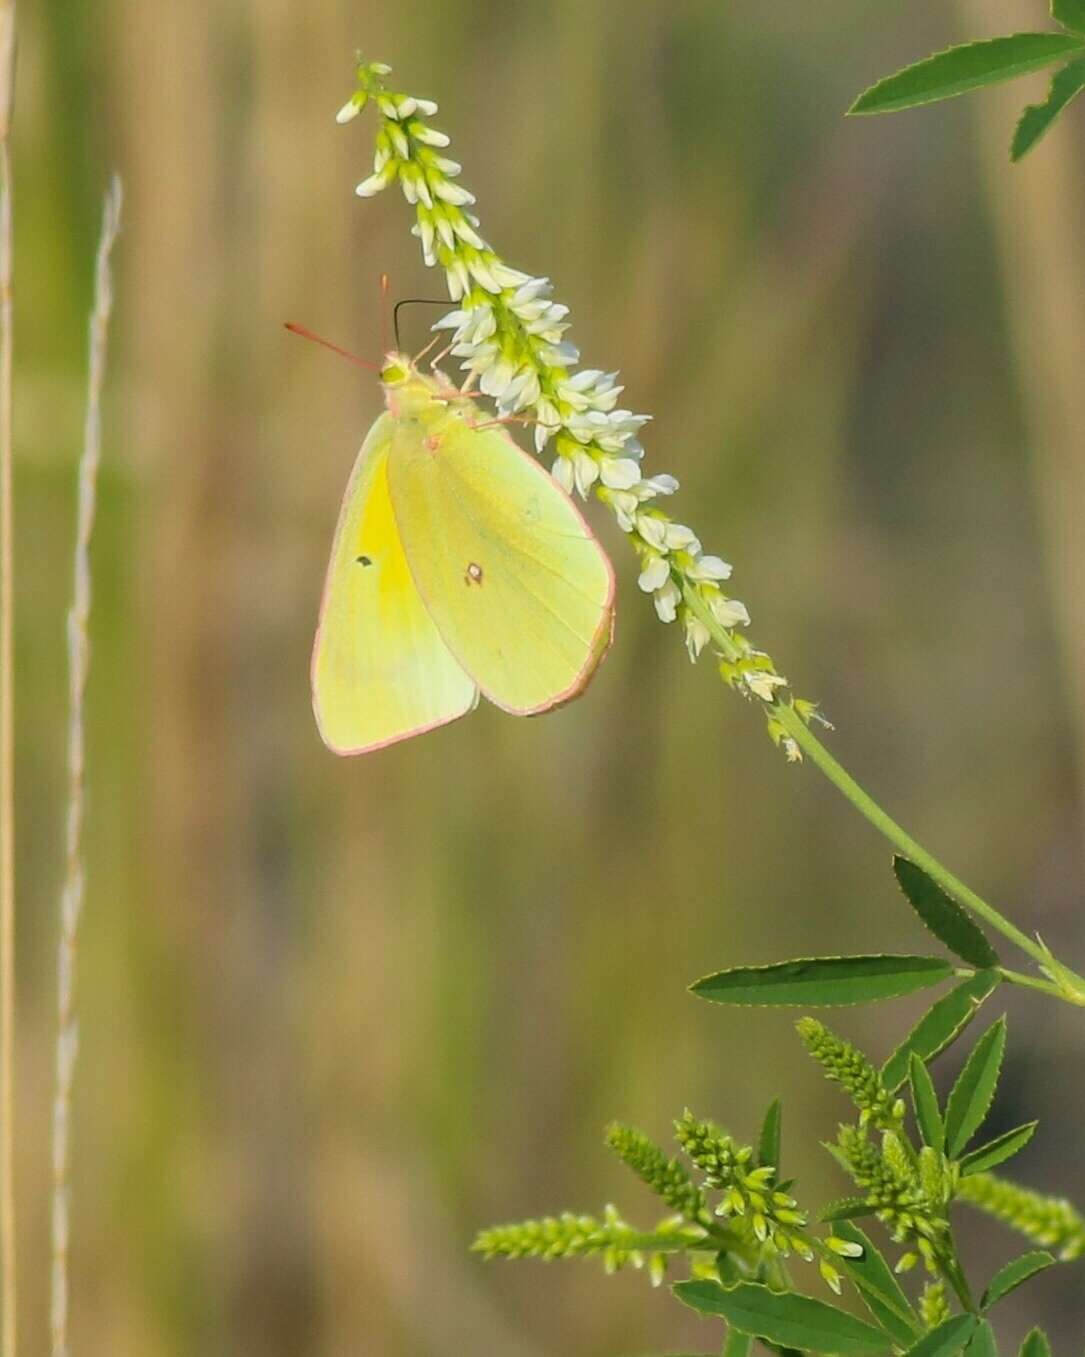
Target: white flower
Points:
(653, 530)
(708, 568)
(549, 422)
(763, 684)
(510, 277)
(481, 270)
(444, 229)
(496, 378)
(429, 136)
(522, 390)
(586, 472)
(427, 107)
(423, 229)
(370, 187)
(619, 473)
(680, 538)
(655, 574)
(529, 292)
(728, 612)
(791, 750)
(562, 472)
(459, 281)
(467, 233)
(658, 485)
(562, 355)
(667, 600)
(618, 428)
(352, 107)
(453, 193)
(697, 636)
(452, 320)
(398, 138)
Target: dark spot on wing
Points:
(532, 510)
(365, 560)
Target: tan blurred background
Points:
(336, 1015)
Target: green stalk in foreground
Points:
(510, 337)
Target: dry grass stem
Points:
(71, 899)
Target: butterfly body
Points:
(459, 567)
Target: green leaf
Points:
(948, 1339)
(1069, 13)
(784, 1317)
(1010, 1277)
(943, 1022)
(1035, 1344)
(997, 1151)
(925, 1102)
(846, 1208)
(943, 916)
(824, 981)
(1037, 118)
(971, 1095)
(878, 1288)
(968, 67)
(983, 1342)
(768, 1143)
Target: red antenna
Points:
(327, 343)
(386, 346)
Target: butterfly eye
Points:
(394, 374)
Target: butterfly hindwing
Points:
(508, 569)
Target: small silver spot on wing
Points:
(473, 574)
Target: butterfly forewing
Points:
(381, 670)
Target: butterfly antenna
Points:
(413, 301)
(327, 343)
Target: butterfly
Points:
(459, 568)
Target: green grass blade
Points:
(1035, 1344)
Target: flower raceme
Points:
(510, 337)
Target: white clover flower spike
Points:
(510, 337)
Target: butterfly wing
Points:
(521, 591)
(380, 671)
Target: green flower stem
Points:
(1072, 988)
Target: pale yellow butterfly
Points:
(459, 567)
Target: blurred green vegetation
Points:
(338, 1014)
